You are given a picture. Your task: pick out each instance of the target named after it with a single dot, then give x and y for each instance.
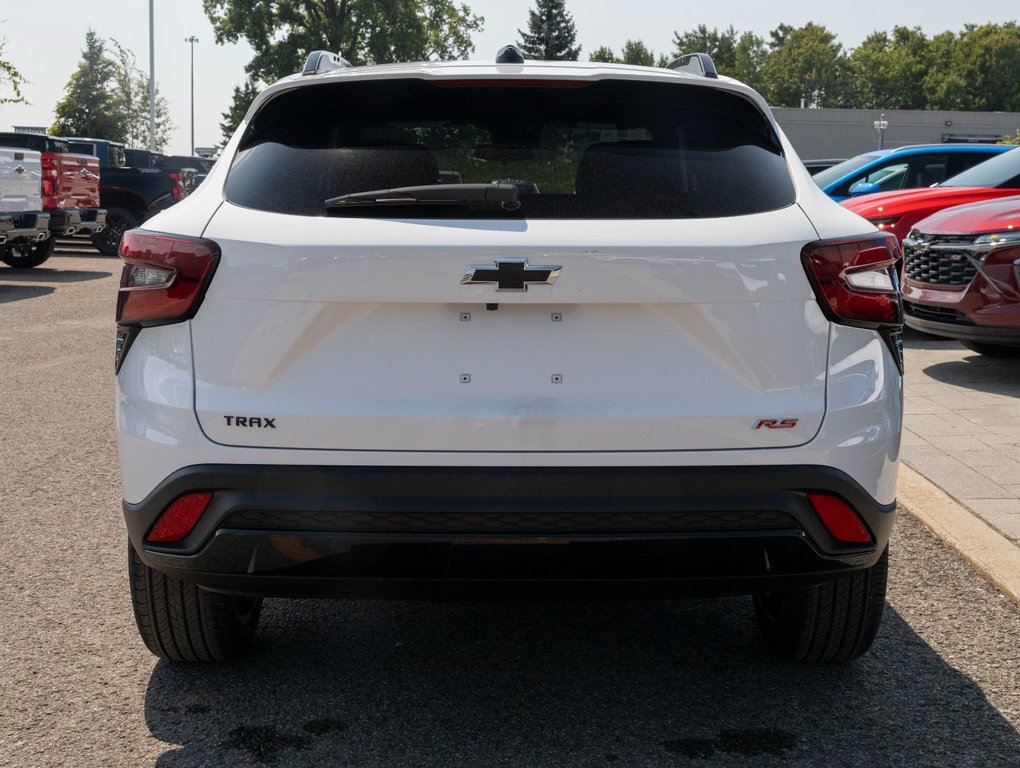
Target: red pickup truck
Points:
(70, 195)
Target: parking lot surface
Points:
(654, 683)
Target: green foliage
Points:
(721, 46)
(92, 105)
(977, 69)
(1015, 140)
(889, 70)
(10, 78)
(283, 32)
(551, 35)
(242, 99)
(133, 89)
(634, 52)
(805, 66)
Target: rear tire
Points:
(182, 622)
(992, 350)
(829, 623)
(25, 255)
(118, 221)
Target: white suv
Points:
(655, 359)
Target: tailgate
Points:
(20, 180)
(79, 181)
(358, 334)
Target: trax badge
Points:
(251, 422)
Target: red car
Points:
(898, 212)
(961, 276)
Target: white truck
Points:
(22, 219)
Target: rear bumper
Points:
(941, 321)
(404, 531)
(68, 221)
(29, 225)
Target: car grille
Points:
(935, 314)
(503, 522)
(935, 259)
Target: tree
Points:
(721, 46)
(10, 78)
(92, 105)
(748, 59)
(978, 69)
(133, 87)
(244, 95)
(551, 33)
(283, 32)
(889, 71)
(108, 98)
(605, 55)
(805, 66)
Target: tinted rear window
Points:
(607, 149)
(1001, 171)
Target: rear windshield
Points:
(1001, 171)
(606, 149)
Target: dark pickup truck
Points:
(129, 195)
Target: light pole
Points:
(192, 40)
(880, 125)
(152, 80)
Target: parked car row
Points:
(53, 186)
(961, 252)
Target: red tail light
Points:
(177, 190)
(855, 280)
(50, 180)
(840, 519)
(164, 277)
(178, 520)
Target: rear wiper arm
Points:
(503, 196)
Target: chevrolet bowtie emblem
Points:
(510, 274)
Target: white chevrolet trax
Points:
(513, 326)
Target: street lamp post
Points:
(152, 80)
(880, 125)
(192, 40)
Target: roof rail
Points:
(694, 64)
(324, 61)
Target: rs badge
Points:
(776, 424)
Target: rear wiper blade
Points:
(503, 196)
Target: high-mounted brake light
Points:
(532, 82)
(180, 518)
(164, 277)
(855, 280)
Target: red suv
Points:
(961, 276)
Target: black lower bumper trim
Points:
(396, 531)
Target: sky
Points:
(45, 45)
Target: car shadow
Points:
(45, 275)
(997, 376)
(547, 684)
(11, 293)
(916, 340)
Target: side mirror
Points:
(863, 188)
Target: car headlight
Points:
(997, 239)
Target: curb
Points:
(993, 555)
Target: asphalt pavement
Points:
(647, 683)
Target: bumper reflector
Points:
(840, 519)
(179, 518)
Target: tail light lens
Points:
(164, 277)
(856, 281)
(177, 190)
